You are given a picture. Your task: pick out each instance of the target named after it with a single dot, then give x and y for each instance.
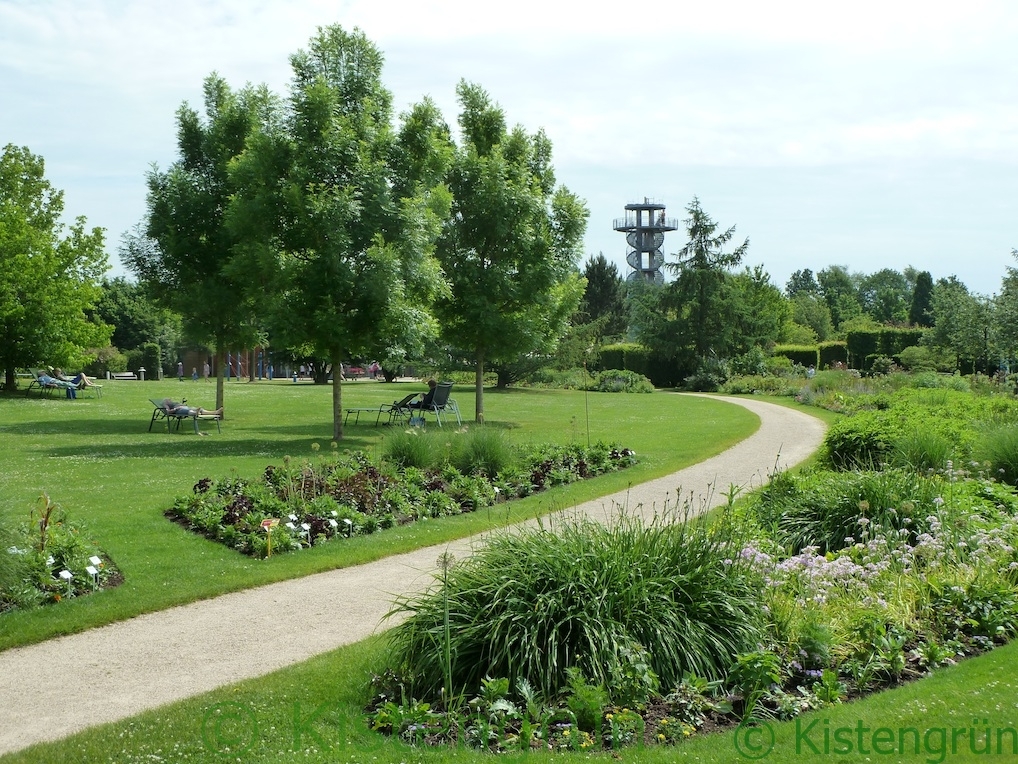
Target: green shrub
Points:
(709, 375)
(533, 603)
(917, 358)
(621, 381)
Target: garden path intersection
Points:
(61, 686)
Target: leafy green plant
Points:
(751, 675)
(586, 701)
(830, 689)
(693, 700)
(632, 679)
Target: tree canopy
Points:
(185, 254)
(511, 247)
(49, 277)
(355, 207)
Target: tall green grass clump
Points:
(832, 510)
(409, 448)
(534, 603)
(483, 449)
(999, 446)
(922, 450)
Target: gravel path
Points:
(64, 685)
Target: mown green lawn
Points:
(97, 459)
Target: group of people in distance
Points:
(55, 378)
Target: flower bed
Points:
(925, 575)
(303, 503)
(49, 559)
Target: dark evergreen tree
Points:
(919, 312)
(604, 298)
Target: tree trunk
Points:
(479, 387)
(220, 368)
(10, 379)
(337, 398)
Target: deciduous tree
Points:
(354, 210)
(186, 253)
(49, 277)
(511, 248)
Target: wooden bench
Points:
(123, 375)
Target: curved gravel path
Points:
(51, 689)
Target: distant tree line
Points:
(316, 225)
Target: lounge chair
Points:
(162, 411)
(441, 404)
(398, 411)
(47, 384)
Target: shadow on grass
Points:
(189, 445)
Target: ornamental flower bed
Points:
(304, 503)
(840, 597)
(49, 559)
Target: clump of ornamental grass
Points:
(532, 604)
(824, 509)
(409, 448)
(483, 449)
(999, 446)
(921, 449)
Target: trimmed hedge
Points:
(863, 345)
(630, 356)
(832, 353)
(804, 355)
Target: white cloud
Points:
(757, 107)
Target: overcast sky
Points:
(869, 135)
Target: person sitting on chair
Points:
(425, 402)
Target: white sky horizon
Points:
(881, 134)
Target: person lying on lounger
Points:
(79, 380)
(173, 408)
(49, 381)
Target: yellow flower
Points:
(661, 737)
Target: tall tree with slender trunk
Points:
(185, 253)
(511, 247)
(340, 211)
